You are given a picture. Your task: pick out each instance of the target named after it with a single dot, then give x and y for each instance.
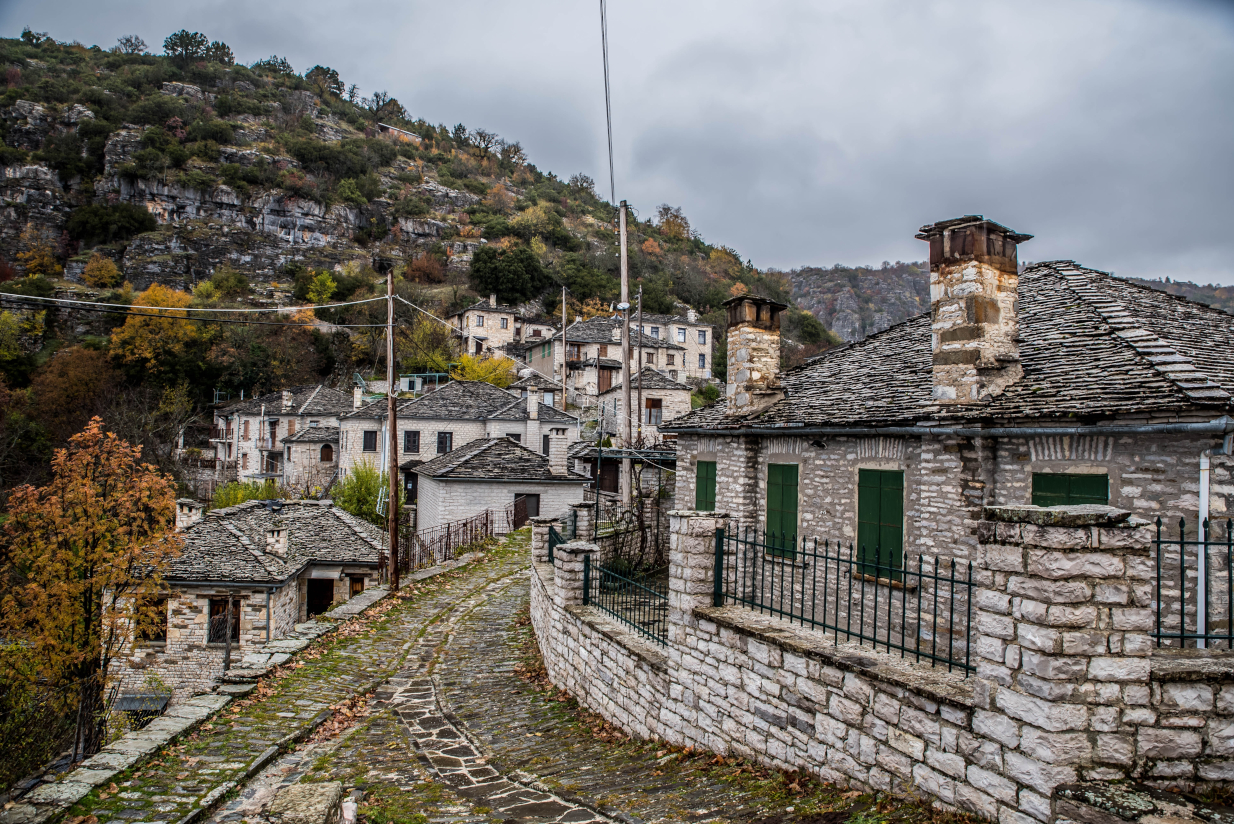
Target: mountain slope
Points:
(854, 302)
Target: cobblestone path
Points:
(212, 762)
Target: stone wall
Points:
(1066, 686)
(351, 437)
(444, 501)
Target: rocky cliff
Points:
(858, 301)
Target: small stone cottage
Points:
(493, 473)
(278, 562)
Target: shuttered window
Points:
(782, 508)
(880, 520)
(705, 486)
(1058, 489)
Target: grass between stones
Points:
(803, 798)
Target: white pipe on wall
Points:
(1201, 555)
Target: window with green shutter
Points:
(705, 486)
(1059, 489)
(782, 509)
(880, 521)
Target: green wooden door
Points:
(880, 520)
(1057, 489)
(705, 486)
(782, 509)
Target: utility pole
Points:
(563, 349)
(624, 306)
(392, 418)
(638, 367)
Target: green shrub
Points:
(155, 110)
(348, 192)
(197, 179)
(98, 223)
(359, 490)
(234, 493)
(13, 157)
(205, 149)
(215, 130)
(413, 206)
(241, 178)
(514, 274)
(229, 283)
(227, 104)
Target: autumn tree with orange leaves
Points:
(82, 567)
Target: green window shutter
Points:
(1059, 489)
(705, 486)
(880, 519)
(782, 508)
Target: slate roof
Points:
(228, 545)
(494, 459)
(650, 379)
(535, 381)
(465, 401)
(665, 320)
(1092, 346)
(486, 305)
(310, 399)
(314, 434)
(600, 330)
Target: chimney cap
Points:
(933, 230)
(757, 301)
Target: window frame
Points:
(778, 540)
(681, 334)
(702, 337)
(880, 518)
(237, 613)
(702, 360)
(1069, 492)
(369, 435)
(651, 405)
(322, 454)
(705, 486)
(148, 634)
(447, 439)
(411, 441)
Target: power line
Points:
(88, 307)
(196, 308)
(608, 106)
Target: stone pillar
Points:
(568, 572)
(1061, 643)
(188, 512)
(539, 539)
(585, 514)
(691, 565)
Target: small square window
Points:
(670, 360)
(479, 320)
(370, 441)
(218, 621)
(655, 331)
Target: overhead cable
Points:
(196, 308)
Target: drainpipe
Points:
(1201, 603)
(269, 617)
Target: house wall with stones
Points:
(351, 438)
(443, 501)
(304, 465)
(1068, 686)
(674, 403)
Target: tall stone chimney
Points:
(188, 512)
(289, 400)
(492, 300)
(357, 398)
(753, 353)
(557, 446)
(974, 328)
(533, 403)
(276, 539)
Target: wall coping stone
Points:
(599, 620)
(695, 513)
(1079, 515)
(1099, 802)
(577, 548)
(1191, 665)
(542, 521)
(935, 683)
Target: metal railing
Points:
(920, 607)
(1194, 583)
(640, 602)
(554, 538)
(418, 550)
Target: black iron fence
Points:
(1194, 582)
(430, 547)
(554, 540)
(639, 601)
(920, 607)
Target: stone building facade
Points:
(491, 327)
(663, 399)
(278, 562)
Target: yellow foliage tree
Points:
(39, 259)
(723, 263)
(499, 199)
(497, 371)
(155, 337)
(651, 248)
(534, 221)
(101, 272)
(84, 558)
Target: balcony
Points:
(268, 444)
(218, 434)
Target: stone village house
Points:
(251, 436)
(1034, 424)
(439, 422)
(663, 399)
(282, 562)
(493, 473)
(489, 326)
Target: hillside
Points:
(857, 301)
(1220, 297)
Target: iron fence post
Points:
(717, 591)
(587, 579)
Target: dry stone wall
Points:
(1067, 687)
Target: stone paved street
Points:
(450, 732)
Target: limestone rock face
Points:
(75, 114)
(29, 125)
(33, 206)
(185, 90)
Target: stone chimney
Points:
(188, 512)
(276, 539)
(357, 398)
(492, 300)
(974, 329)
(289, 400)
(533, 403)
(557, 461)
(753, 353)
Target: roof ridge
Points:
(1159, 353)
(464, 454)
(247, 544)
(304, 405)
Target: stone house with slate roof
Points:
(310, 457)
(249, 436)
(593, 357)
(439, 422)
(491, 473)
(663, 399)
(550, 390)
(695, 337)
(281, 561)
(492, 326)
(1058, 384)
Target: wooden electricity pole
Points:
(392, 445)
(624, 306)
(638, 367)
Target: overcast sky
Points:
(804, 133)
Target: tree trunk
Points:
(91, 719)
